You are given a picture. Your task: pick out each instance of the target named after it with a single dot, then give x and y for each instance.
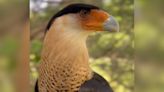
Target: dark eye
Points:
(83, 13)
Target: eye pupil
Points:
(84, 12)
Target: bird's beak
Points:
(111, 25)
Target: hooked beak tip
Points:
(111, 25)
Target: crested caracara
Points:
(64, 63)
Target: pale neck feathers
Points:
(64, 62)
(66, 39)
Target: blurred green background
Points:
(149, 46)
(111, 54)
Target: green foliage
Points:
(36, 46)
(7, 53)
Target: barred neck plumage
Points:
(64, 61)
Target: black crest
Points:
(73, 8)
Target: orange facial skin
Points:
(94, 20)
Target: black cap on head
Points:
(73, 8)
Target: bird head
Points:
(84, 18)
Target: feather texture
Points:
(95, 84)
(64, 61)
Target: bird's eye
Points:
(83, 13)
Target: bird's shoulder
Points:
(96, 84)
